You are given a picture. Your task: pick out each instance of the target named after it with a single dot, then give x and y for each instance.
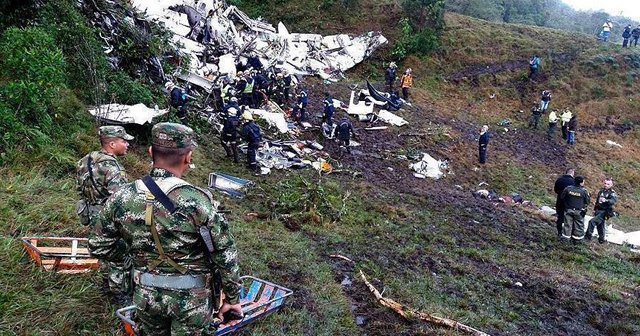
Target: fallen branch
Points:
(339, 256)
(409, 313)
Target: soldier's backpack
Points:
(92, 193)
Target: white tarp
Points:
(126, 114)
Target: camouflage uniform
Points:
(98, 175)
(173, 291)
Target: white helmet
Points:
(247, 115)
(169, 85)
(232, 111)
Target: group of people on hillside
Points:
(567, 119)
(572, 201)
(629, 34)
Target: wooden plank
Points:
(82, 251)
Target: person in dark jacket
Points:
(302, 102)
(178, 100)
(561, 183)
(328, 109)
(544, 100)
(572, 126)
(576, 199)
(345, 130)
(603, 210)
(229, 134)
(390, 76)
(232, 104)
(254, 62)
(626, 34)
(635, 35)
(483, 142)
(252, 135)
(536, 113)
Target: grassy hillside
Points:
(428, 244)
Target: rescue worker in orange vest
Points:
(406, 82)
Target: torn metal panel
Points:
(301, 54)
(197, 80)
(229, 185)
(275, 119)
(391, 118)
(126, 114)
(359, 107)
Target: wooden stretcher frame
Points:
(67, 260)
(260, 300)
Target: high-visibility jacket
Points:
(248, 88)
(553, 117)
(565, 117)
(406, 81)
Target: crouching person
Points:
(176, 239)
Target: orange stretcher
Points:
(60, 254)
(258, 301)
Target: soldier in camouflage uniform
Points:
(98, 175)
(179, 242)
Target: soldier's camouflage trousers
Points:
(117, 275)
(172, 312)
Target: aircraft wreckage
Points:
(219, 39)
(232, 37)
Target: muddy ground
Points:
(557, 308)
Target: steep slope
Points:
(429, 244)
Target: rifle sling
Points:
(155, 193)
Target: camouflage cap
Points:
(172, 135)
(114, 132)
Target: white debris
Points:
(391, 118)
(304, 54)
(359, 107)
(126, 114)
(429, 166)
(275, 119)
(611, 143)
(549, 211)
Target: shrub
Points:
(33, 67)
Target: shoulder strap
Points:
(155, 193)
(155, 190)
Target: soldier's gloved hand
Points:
(583, 213)
(235, 309)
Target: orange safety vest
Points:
(406, 81)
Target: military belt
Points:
(171, 281)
